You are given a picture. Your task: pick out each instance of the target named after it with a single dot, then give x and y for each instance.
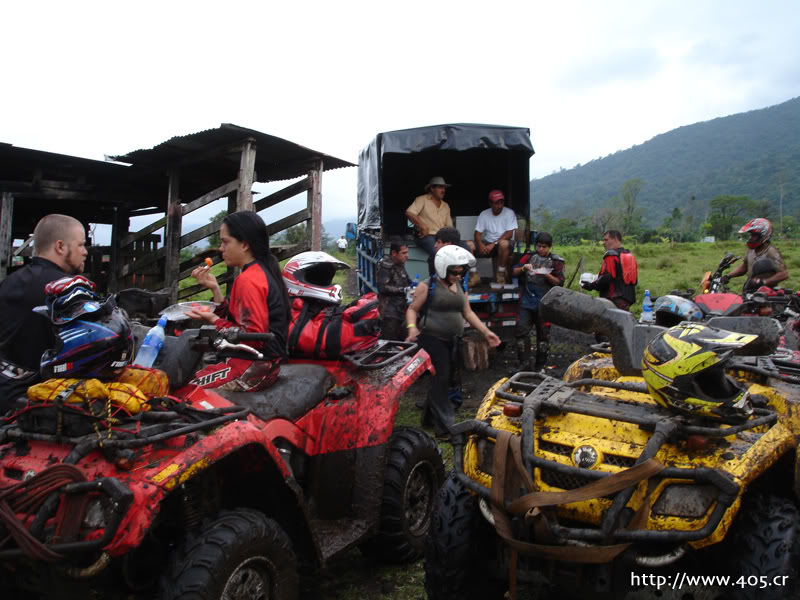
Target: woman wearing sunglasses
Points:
(437, 323)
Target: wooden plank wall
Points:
(240, 197)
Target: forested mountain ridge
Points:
(748, 154)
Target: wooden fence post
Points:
(172, 234)
(6, 219)
(119, 230)
(315, 206)
(247, 165)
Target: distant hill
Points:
(746, 154)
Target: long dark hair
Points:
(247, 226)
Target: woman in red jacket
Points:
(258, 303)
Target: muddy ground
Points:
(356, 577)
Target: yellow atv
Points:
(598, 484)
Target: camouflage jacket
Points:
(392, 281)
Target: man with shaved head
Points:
(59, 244)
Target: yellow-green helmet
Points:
(684, 368)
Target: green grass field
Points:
(665, 267)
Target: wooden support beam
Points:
(289, 191)
(247, 165)
(314, 226)
(24, 245)
(6, 220)
(141, 262)
(172, 242)
(129, 239)
(208, 198)
(119, 230)
(201, 232)
(286, 222)
(141, 212)
(284, 252)
(194, 289)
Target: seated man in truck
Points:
(494, 232)
(429, 213)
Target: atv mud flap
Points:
(540, 394)
(120, 498)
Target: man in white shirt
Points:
(494, 232)
(342, 243)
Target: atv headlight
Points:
(685, 500)
(486, 456)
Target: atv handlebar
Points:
(229, 341)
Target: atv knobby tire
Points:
(243, 555)
(414, 472)
(765, 542)
(458, 547)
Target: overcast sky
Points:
(587, 78)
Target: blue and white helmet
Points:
(670, 310)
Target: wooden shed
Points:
(174, 178)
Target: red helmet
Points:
(760, 226)
(310, 275)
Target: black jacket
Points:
(24, 335)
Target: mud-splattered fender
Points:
(151, 485)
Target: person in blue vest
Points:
(541, 271)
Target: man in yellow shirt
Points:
(429, 213)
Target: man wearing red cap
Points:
(494, 231)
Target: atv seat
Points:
(299, 388)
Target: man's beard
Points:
(73, 270)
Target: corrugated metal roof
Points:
(276, 158)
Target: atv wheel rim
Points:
(250, 581)
(418, 498)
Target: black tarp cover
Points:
(452, 137)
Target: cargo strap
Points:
(28, 496)
(506, 481)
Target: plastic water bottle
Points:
(151, 345)
(410, 292)
(647, 309)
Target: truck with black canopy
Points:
(474, 159)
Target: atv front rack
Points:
(384, 353)
(539, 394)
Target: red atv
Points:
(217, 495)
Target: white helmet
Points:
(310, 275)
(451, 256)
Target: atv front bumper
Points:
(118, 498)
(539, 396)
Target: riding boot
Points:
(523, 353)
(541, 356)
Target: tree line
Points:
(720, 217)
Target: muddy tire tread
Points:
(196, 570)
(453, 562)
(766, 542)
(407, 447)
